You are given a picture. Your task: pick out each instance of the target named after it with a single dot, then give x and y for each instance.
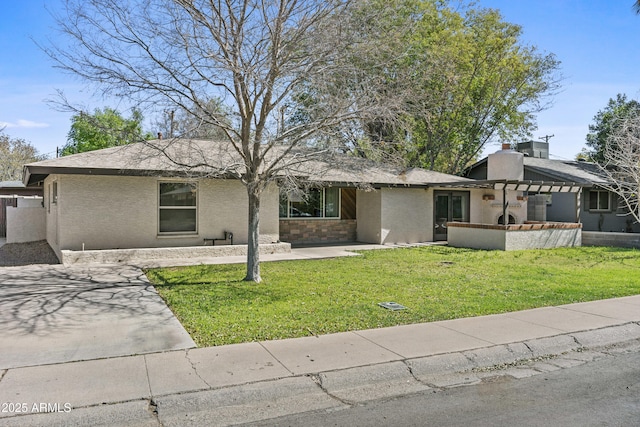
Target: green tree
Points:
(605, 124)
(103, 129)
(14, 153)
(466, 77)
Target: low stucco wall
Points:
(26, 223)
(621, 240)
(514, 237)
(136, 256)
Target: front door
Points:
(449, 206)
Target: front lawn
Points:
(302, 298)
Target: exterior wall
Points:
(562, 207)
(486, 206)
(407, 215)
(303, 231)
(614, 221)
(543, 239)
(121, 212)
(621, 240)
(26, 223)
(476, 238)
(514, 237)
(51, 215)
(368, 215)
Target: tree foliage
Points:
(252, 55)
(14, 153)
(103, 129)
(605, 124)
(466, 77)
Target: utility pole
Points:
(546, 138)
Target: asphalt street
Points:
(605, 392)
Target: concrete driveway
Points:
(53, 314)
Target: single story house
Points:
(594, 207)
(141, 196)
(145, 196)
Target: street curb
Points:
(343, 388)
(388, 380)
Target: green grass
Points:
(302, 298)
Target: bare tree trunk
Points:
(253, 249)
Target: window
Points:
(177, 210)
(317, 203)
(54, 191)
(599, 200)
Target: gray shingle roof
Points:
(11, 184)
(565, 170)
(169, 158)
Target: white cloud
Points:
(25, 124)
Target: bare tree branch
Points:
(254, 56)
(621, 170)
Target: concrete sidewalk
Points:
(261, 380)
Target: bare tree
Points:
(253, 55)
(621, 169)
(176, 122)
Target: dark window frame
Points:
(189, 204)
(287, 212)
(598, 198)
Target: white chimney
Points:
(505, 164)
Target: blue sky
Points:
(597, 41)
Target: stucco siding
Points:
(515, 237)
(26, 223)
(121, 212)
(407, 215)
(51, 215)
(269, 215)
(368, 205)
(479, 210)
(485, 210)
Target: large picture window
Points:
(599, 200)
(177, 207)
(317, 203)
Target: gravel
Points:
(12, 254)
